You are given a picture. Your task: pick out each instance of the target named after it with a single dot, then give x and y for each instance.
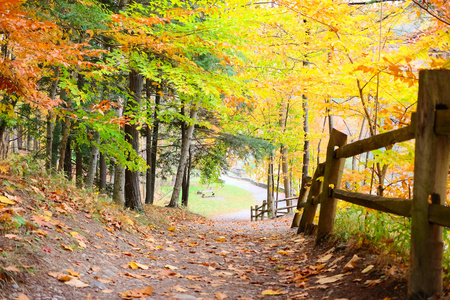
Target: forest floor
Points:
(57, 242)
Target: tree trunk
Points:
(49, 142)
(68, 160)
(92, 163)
(119, 185)
(186, 181)
(78, 166)
(306, 159)
(103, 169)
(20, 137)
(151, 153)
(185, 144)
(270, 187)
(132, 190)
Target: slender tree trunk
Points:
(270, 187)
(78, 166)
(152, 136)
(183, 159)
(186, 181)
(49, 142)
(132, 187)
(93, 162)
(306, 151)
(20, 137)
(103, 169)
(119, 172)
(68, 160)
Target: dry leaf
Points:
(325, 258)
(67, 247)
(220, 296)
(21, 297)
(73, 273)
(170, 267)
(76, 283)
(221, 239)
(272, 292)
(367, 269)
(107, 291)
(137, 293)
(133, 265)
(179, 289)
(5, 200)
(352, 263)
(171, 228)
(64, 277)
(142, 266)
(12, 269)
(331, 279)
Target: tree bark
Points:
(306, 154)
(185, 144)
(119, 185)
(92, 163)
(103, 169)
(186, 181)
(132, 190)
(68, 160)
(152, 147)
(49, 147)
(78, 166)
(270, 187)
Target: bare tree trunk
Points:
(119, 185)
(103, 169)
(186, 181)
(152, 147)
(270, 187)
(93, 162)
(49, 142)
(78, 166)
(132, 187)
(13, 141)
(68, 160)
(185, 144)
(20, 137)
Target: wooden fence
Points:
(259, 212)
(430, 126)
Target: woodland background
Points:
(117, 94)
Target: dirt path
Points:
(58, 244)
(259, 194)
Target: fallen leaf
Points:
(46, 249)
(21, 297)
(330, 279)
(107, 291)
(137, 293)
(272, 292)
(133, 265)
(352, 263)
(76, 283)
(73, 273)
(171, 228)
(367, 269)
(221, 239)
(5, 200)
(170, 267)
(220, 296)
(179, 289)
(325, 258)
(12, 269)
(64, 277)
(373, 282)
(67, 247)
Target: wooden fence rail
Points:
(430, 126)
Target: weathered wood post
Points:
(332, 176)
(301, 198)
(251, 212)
(431, 166)
(310, 208)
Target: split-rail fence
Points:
(430, 127)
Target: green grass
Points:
(228, 199)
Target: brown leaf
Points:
(352, 263)
(21, 297)
(220, 296)
(330, 279)
(179, 289)
(73, 273)
(64, 277)
(137, 293)
(367, 269)
(76, 283)
(12, 269)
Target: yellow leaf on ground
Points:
(5, 200)
(67, 247)
(221, 239)
(133, 265)
(73, 273)
(171, 228)
(272, 292)
(64, 277)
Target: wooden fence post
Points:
(332, 176)
(430, 184)
(301, 198)
(310, 208)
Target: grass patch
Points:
(227, 199)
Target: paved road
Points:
(259, 194)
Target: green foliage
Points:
(383, 230)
